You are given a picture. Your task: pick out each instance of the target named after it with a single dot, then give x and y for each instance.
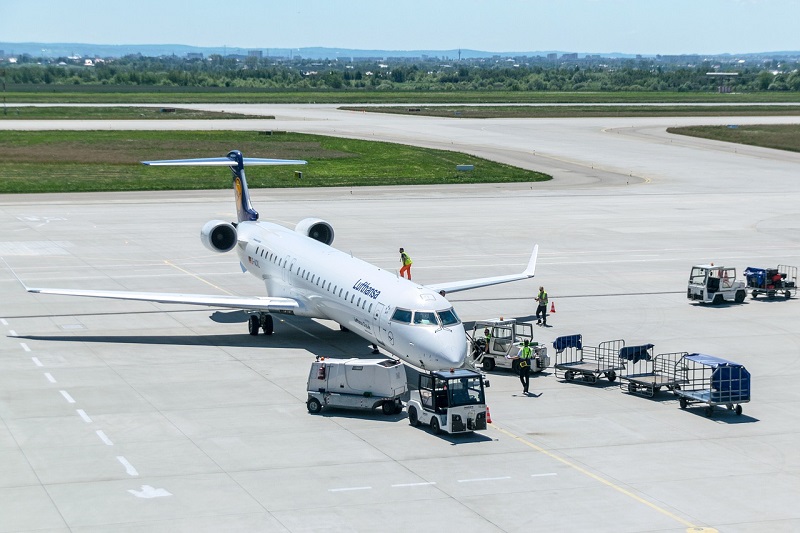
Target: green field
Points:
(113, 113)
(175, 95)
(565, 111)
(68, 161)
(781, 136)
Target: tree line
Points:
(423, 75)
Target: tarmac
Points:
(127, 416)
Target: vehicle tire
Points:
(313, 406)
(656, 389)
(435, 429)
(413, 419)
(684, 403)
(754, 294)
(488, 364)
(631, 388)
(387, 408)
(398, 408)
(252, 325)
(709, 411)
(787, 294)
(569, 375)
(738, 410)
(611, 376)
(267, 324)
(771, 294)
(718, 299)
(740, 296)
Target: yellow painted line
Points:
(195, 276)
(690, 527)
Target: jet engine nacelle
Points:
(218, 236)
(317, 229)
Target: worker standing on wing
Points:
(406, 261)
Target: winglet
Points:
(531, 268)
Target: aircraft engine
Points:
(218, 236)
(317, 229)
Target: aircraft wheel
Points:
(267, 324)
(413, 418)
(313, 405)
(435, 429)
(252, 325)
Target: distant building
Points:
(194, 55)
(569, 57)
(255, 53)
(552, 57)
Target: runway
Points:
(126, 416)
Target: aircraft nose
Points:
(451, 347)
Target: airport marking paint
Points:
(49, 377)
(36, 361)
(66, 396)
(483, 479)
(25, 347)
(104, 438)
(349, 488)
(129, 469)
(84, 416)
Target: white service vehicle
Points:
(449, 401)
(715, 284)
(506, 338)
(356, 384)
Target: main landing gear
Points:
(260, 321)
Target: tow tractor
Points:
(506, 337)
(771, 281)
(715, 284)
(449, 401)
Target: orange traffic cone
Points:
(488, 415)
(552, 307)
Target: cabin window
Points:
(402, 315)
(352, 298)
(425, 318)
(370, 308)
(448, 317)
(359, 302)
(340, 292)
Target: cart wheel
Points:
(740, 295)
(754, 294)
(435, 425)
(313, 405)
(729, 406)
(771, 294)
(718, 299)
(611, 375)
(569, 375)
(631, 388)
(413, 419)
(388, 408)
(656, 389)
(591, 378)
(684, 403)
(787, 294)
(676, 387)
(738, 410)
(488, 364)
(709, 411)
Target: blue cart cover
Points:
(568, 341)
(756, 277)
(636, 353)
(730, 382)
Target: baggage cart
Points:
(647, 374)
(712, 381)
(771, 281)
(588, 363)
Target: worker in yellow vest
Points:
(406, 261)
(525, 356)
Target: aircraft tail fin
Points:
(235, 161)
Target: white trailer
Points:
(715, 284)
(356, 384)
(450, 402)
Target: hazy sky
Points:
(584, 26)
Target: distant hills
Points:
(52, 50)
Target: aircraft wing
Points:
(456, 286)
(233, 302)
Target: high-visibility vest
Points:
(405, 258)
(525, 353)
(543, 298)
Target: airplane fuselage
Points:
(330, 284)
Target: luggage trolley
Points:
(771, 281)
(647, 374)
(712, 381)
(590, 362)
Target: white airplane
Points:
(305, 276)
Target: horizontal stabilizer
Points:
(224, 162)
(456, 286)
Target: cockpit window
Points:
(402, 315)
(425, 318)
(448, 317)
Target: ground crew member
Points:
(542, 308)
(525, 357)
(488, 337)
(406, 260)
